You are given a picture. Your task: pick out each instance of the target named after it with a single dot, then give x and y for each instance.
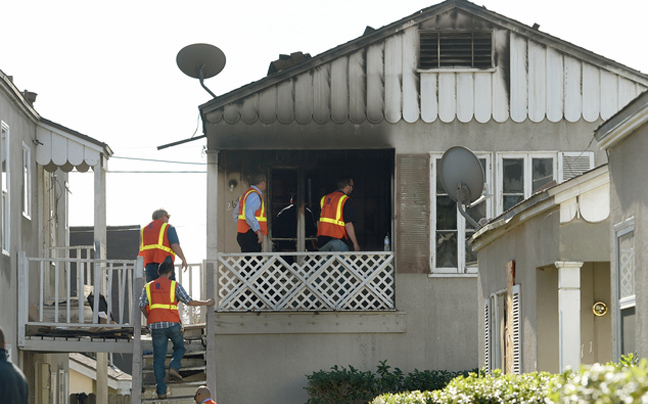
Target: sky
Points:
(108, 70)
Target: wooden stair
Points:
(192, 370)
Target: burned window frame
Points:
(455, 49)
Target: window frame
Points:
(5, 200)
(462, 227)
(622, 229)
(527, 157)
(27, 181)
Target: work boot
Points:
(174, 375)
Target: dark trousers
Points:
(151, 272)
(249, 242)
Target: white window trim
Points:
(620, 229)
(528, 173)
(462, 270)
(6, 210)
(27, 181)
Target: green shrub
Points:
(626, 382)
(480, 388)
(623, 382)
(351, 386)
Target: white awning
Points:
(61, 148)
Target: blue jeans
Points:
(335, 244)
(161, 339)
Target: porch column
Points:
(100, 252)
(569, 313)
(210, 265)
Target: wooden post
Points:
(508, 327)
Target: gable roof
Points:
(361, 80)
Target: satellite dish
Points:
(462, 177)
(201, 61)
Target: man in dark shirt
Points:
(13, 384)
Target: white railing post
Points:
(96, 292)
(136, 320)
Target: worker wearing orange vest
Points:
(203, 396)
(336, 219)
(159, 304)
(250, 215)
(159, 243)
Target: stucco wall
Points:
(535, 246)
(269, 365)
(532, 246)
(629, 199)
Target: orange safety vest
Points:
(260, 214)
(155, 246)
(161, 294)
(331, 222)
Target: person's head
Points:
(161, 214)
(202, 394)
(2, 340)
(345, 184)
(165, 268)
(258, 180)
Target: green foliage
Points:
(626, 382)
(351, 386)
(480, 388)
(623, 382)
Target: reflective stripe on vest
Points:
(331, 223)
(160, 305)
(338, 212)
(160, 244)
(259, 215)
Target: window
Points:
(624, 261)
(455, 49)
(522, 174)
(4, 204)
(27, 184)
(451, 254)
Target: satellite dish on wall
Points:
(462, 177)
(201, 61)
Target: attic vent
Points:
(456, 49)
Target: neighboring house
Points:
(575, 249)
(41, 289)
(625, 139)
(83, 376)
(383, 108)
(544, 279)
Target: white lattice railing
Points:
(305, 282)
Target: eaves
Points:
(537, 204)
(415, 19)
